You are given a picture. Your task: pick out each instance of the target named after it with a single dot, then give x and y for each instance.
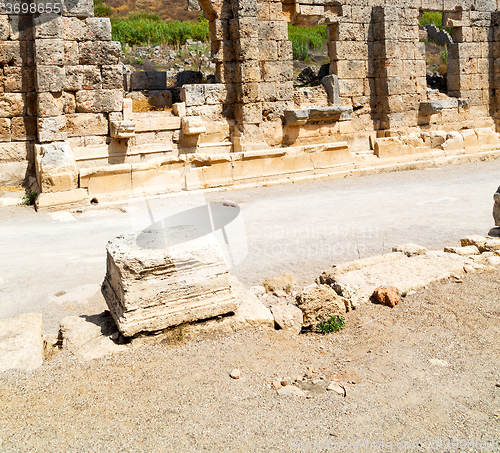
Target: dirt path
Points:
(421, 373)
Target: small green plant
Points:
(404, 294)
(444, 56)
(139, 60)
(29, 197)
(333, 324)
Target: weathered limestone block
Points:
(12, 104)
(14, 151)
(23, 128)
(82, 124)
(48, 26)
(74, 29)
(82, 77)
(21, 28)
(99, 52)
(97, 101)
(21, 342)
(318, 304)
(4, 27)
(56, 167)
(112, 77)
(122, 129)
(5, 130)
(151, 285)
(49, 78)
(50, 104)
(98, 28)
(49, 51)
(18, 79)
(454, 142)
(487, 138)
(193, 125)
(471, 141)
(78, 8)
(12, 52)
(69, 199)
(193, 95)
(52, 128)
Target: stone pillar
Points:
(399, 66)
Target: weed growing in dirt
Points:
(333, 324)
(29, 197)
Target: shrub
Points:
(300, 50)
(101, 10)
(333, 324)
(147, 28)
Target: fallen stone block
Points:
(410, 249)
(362, 277)
(21, 342)
(474, 239)
(463, 251)
(288, 317)
(318, 304)
(156, 280)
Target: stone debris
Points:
(21, 342)
(259, 291)
(284, 282)
(410, 249)
(337, 388)
(276, 385)
(318, 304)
(290, 390)
(463, 251)
(387, 296)
(90, 337)
(150, 285)
(474, 239)
(235, 374)
(288, 317)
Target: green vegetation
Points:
(148, 29)
(444, 56)
(435, 18)
(101, 10)
(29, 197)
(305, 39)
(333, 324)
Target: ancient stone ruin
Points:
(70, 115)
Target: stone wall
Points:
(63, 102)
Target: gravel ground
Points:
(421, 376)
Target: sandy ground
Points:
(419, 377)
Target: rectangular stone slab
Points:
(150, 285)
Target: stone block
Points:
(4, 27)
(12, 104)
(71, 57)
(99, 53)
(155, 280)
(83, 124)
(248, 113)
(48, 26)
(14, 151)
(107, 182)
(159, 123)
(19, 79)
(13, 173)
(13, 53)
(49, 51)
(50, 104)
(56, 169)
(78, 8)
(112, 77)
(193, 95)
(82, 77)
(98, 28)
(69, 199)
(193, 125)
(21, 342)
(471, 141)
(121, 129)
(49, 78)
(51, 129)
(148, 80)
(21, 28)
(151, 179)
(74, 29)
(69, 102)
(250, 71)
(5, 130)
(487, 138)
(23, 128)
(97, 101)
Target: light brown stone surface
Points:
(318, 304)
(154, 281)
